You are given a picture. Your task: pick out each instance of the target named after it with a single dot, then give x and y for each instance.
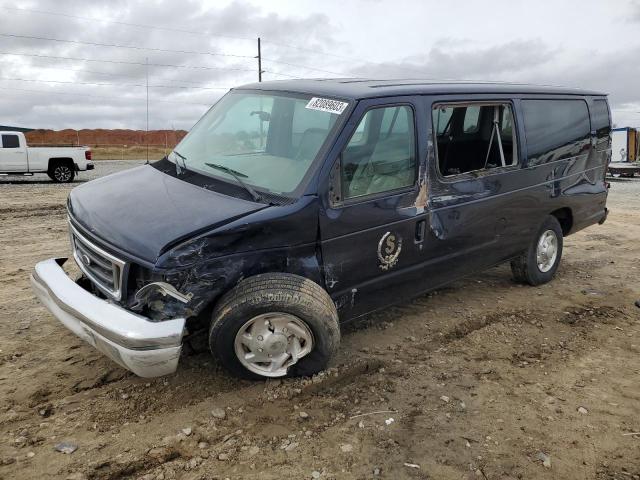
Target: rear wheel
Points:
(62, 171)
(539, 263)
(275, 325)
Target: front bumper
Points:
(148, 349)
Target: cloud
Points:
(527, 61)
(190, 27)
(450, 59)
(635, 11)
(297, 42)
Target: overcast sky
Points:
(588, 43)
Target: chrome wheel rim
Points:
(270, 343)
(547, 251)
(62, 173)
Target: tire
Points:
(62, 172)
(526, 268)
(274, 299)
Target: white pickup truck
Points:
(60, 163)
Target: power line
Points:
(128, 24)
(303, 49)
(281, 74)
(82, 70)
(132, 47)
(335, 55)
(112, 84)
(304, 66)
(98, 96)
(79, 59)
(170, 65)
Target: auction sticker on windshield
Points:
(327, 105)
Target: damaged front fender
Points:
(201, 269)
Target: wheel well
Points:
(60, 161)
(565, 218)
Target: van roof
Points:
(359, 88)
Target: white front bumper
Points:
(147, 348)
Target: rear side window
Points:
(474, 137)
(600, 121)
(380, 156)
(555, 129)
(10, 141)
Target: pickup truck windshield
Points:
(269, 140)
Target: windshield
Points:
(267, 141)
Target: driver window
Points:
(381, 155)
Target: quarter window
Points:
(381, 155)
(10, 141)
(555, 129)
(474, 137)
(442, 119)
(600, 121)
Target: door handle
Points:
(421, 227)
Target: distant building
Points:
(7, 128)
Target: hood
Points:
(142, 210)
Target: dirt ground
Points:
(484, 379)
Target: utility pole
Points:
(146, 136)
(259, 57)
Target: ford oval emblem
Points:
(86, 260)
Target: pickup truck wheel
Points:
(62, 172)
(541, 260)
(275, 325)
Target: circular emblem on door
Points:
(85, 259)
(389, 248)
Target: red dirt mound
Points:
(166, 138)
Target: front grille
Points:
(103, 269)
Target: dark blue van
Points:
(293, 206)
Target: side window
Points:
(383, 157)
(10, 141)
(476, 137)
(555, 129)
(600, 121)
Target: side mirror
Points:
(335, 184)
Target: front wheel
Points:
(539, 263)
(275, 325)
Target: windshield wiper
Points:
(180, 168)
(255, 195)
